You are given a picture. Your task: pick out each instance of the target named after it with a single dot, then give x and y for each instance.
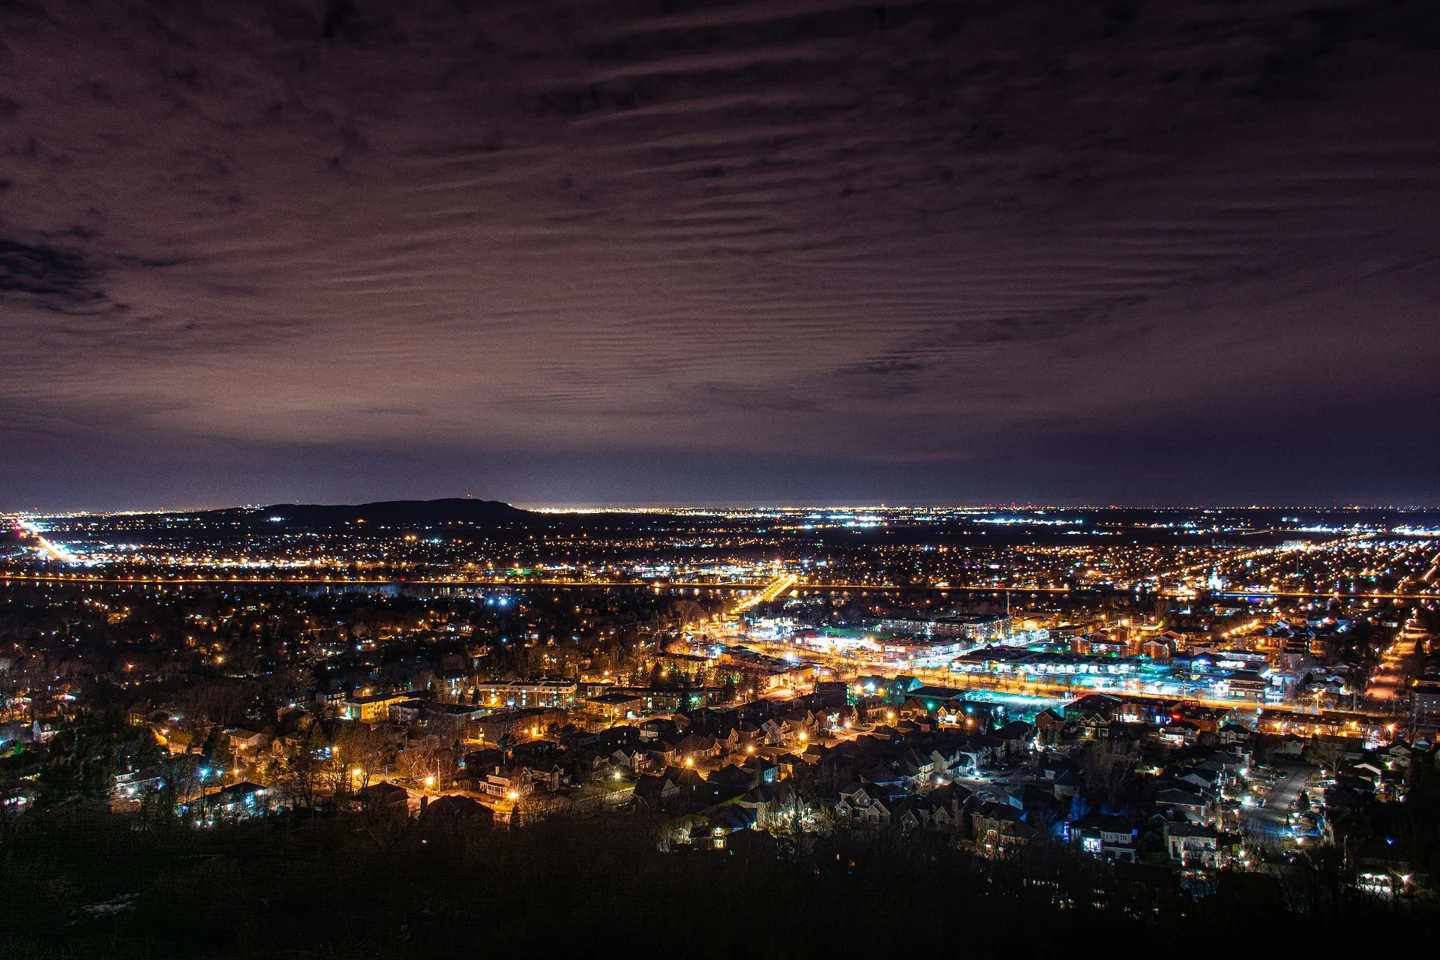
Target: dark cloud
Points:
(52, 278)
(718, 251)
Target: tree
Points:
(300, 775)
(1105, 766)
(364, 748)
(687, 611)
(1325, 753)
(216, 749)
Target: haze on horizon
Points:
(724, 253)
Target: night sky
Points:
(570, 252)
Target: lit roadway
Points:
(772, 590)
(1272, 821)
(1400, 662)
(27, 531)
(653, 584)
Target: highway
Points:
(771, 591)
(26, 532)
(797, 585)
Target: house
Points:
(947, 807)
(1015, 736)
(178, 742)
(384, 796)
(729, 819)
(1177, 734)
(452, 719)
(773, 803)
(734, 777)
(237, 802)
(864, 803)
(1187, 802)
(615, 706)
(1193, 845)
(789, 765)
(1158, 649)
(694, 745)
(1050, 725)
(917, 769)
(136, 783)
(1109, 838)
(972, 757)
(998, 827)
(1068, 784)
(247, 743)
(445, 817)
(663, 752)
(655, 793)
(517, 725)
(510, 782)
(629, 757)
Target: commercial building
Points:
(977, 628)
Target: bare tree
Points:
(1325, 753)
(362, 750)
(1106, 767)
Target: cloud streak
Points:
(781, 234)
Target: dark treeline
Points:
(374, 885)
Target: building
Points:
(1425, 698)
(408, 711)
(978, 628)
(615, 706)
(526, 694)
(372, 709)
(237, 802)
(516, 725)
(1108, 838)
(1194, 846)
(833, 693)
(453, 719)
(247, 743)
(136, 783)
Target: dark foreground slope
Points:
(363, 885)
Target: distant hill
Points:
(385, 513)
